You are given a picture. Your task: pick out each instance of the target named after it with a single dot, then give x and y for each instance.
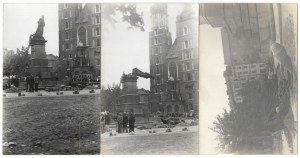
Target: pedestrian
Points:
(120, 122)
(36, 83)
(26, 83)
(131, 121)
(125, 123)
(31, 83)
(12, 81)
(17, 81)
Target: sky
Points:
(20, 20)
(213, 97)
(123, 49)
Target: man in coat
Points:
(125, 122)
(120, 122)
(131, 121)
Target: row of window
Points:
(250, 66)
(252, 72)
(97, 7)
(188, 66)
(186, 77)
(96, 31)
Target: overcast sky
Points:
(213, 97)
(20, 20)
(123, 49)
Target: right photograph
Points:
(248, 78)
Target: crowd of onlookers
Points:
(31, 83)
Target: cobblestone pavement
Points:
(177, 142)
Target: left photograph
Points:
(51, 79)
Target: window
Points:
(65, 14)
(252, 66)
(185, 30)
(66, 25)
(70, 55)
(97, 9)
(67, 46)
(156, 51)
(65, 5)
(262, 70)
(63, 47)
(155, 41)
(98, 42)
(157, 71)
(98, 31)
(67, 35)
(97, 19)
(246, 72)
(155, 32)
(187, 66)
(157, 61)
(187, 55)
(70, 13)
(71, 46)
(93, 43)
(253, 71)
(190, 95)
(186, 44)
(188, 77)
(158, 81)
(262, 65)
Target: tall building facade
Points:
(174, 65)
(80, 41)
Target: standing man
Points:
(120, 122)
(131, 122)
(125, 122)
(26, 83)
(36, 83)
(31, 82)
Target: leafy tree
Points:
(129, 13)
(110, 97)
(244, 129)
(16, 64)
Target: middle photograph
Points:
(150, 79)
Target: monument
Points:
(39, 62)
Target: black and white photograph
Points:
(149, 93)
(248, 78)
(51, 79)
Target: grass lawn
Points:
(52, 125)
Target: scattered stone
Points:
(57, 93)
(40, 94)
(168, 130)
(111, 134)
(37, 144)
(150, 131)
(23, 94)
(19, 94)
(10, 144)
(75, 92)
(115, 134)
(92, 91)
(154, 131)
(61, 92)
(185, 129)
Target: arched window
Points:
(66, 25)
(82, 35)
(67, 35)
(156, 50)
(98, 31)
(157, 70)
(173, 70)
(155, 41)
(97, 20)
(157, 60)
(186, 44)
(185, 30)
(169, 108)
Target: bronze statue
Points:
(40, 30)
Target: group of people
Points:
(15, 81)
(32, 83)
(123, 120)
